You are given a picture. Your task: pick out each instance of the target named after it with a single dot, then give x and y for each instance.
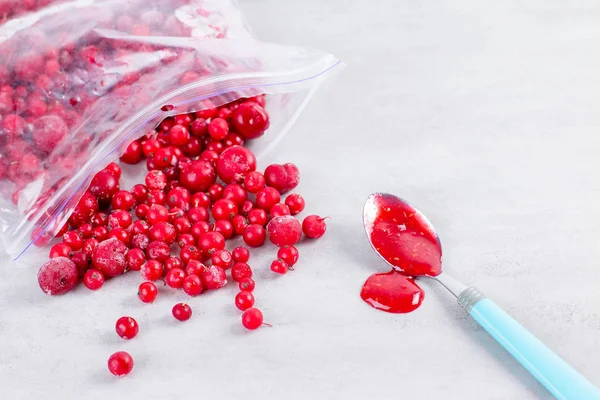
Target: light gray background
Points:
(485, 115)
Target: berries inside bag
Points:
(81, 80)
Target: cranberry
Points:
(138, 241)
(104, 185)
(250, 120)
(239, 223)
(211, 156)
(163, 231)
(86, 231)
(314, 226)
(201, 200)
(188, 253)
(257, 216)
(134, 259)
(199, 127)
(141, 211)
(211, 241)
(199, 228)
(109, 257)
(279, 266)
(157, 213)
(89, 245)
(186, 239)
(175, 278)
(173, 262)
(48, 132)
(158, 251)
(182, 312)
(267, 198)
(240, 254)
(147, 292)
(194, 267)
(241, 270)
(280, 210)
(216, 192)
(289, 254)
(198, 176)
(120, 234)
(182, 225)
(119, 219)
(157, 197)
(132, 154)
(284, 231)
(123, 200)
(139, 226)
(252, 318)
(216, 147)
(84, 210)
(224, 209)
(101, 233)
(218, 129)
(295, 203)
(246, 284)
(246, 207)
(61, 250)
(114, 169)
(244, 300)
(222, 258)
(213, 277)
(179, 135)
(282, 177)
(152, 270)
(254, 182)
(196, 214)
(233, 139)
(99, 219)
(93, 279)
(140, 193)
(255, 235)
(127, 327)
(234, 163)
(82, 262)
(235, 193)
(179, 197)
(192, 285)
(149, 147)
(57, 276)
(156, 180)
(120, 363)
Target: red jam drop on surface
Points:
(403, 236)
(392, 292)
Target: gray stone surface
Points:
(484, 115)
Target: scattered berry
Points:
(252, 318)
(182, 311)
(147, 292)
(289, 254)
(244, 300)
(314, 226)
(127, 327)
(120, 363)
(93, 279)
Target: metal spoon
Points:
(561, 379)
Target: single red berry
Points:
(188, 253)
(133, 153)
(241, 270)
(135, 258)
(123, 200)
(82, 262)
(240, 254)
(156, 180)
(152, 270)
(224, 227)
(194, 267)
(244, 300)
(289, 254)
(254, 182)
(246, 207)
(199, 229)
(86, 231)
(173, 262)
(192, 285)
(157, 213)
(147, 292)
(93, 279)
(100, 233)
(279, 266)
(200, 199)
(139, 226)
(255, 235)
(284, 231)
(215, 146)
(215, 192)
(149, 147)
(199, 127)
(163, 231)
(224, 209)
(119, 219)
(211, 156)
(222, 258)
(141, 211)
(99, 219)
(139, 193)
(196, 214)
(175, 278)
(282, 177)
(267, 198)
(250, 120)
(211, 242)
(198, 176)
(127, 327)
(73, 240)
(157, 197)
(235, 193)
(218, 129)
(179, 197)
(120, 363)
(186, 239)
(235, 163)
(57, 276)
(252, 318)
(104, 185)
(109, 257)
(158, 251)
(279, 210)
(239, 223)
(193, 147)
(257, 216)
(60, 250)
(182, 225)
(213, 277)
(246, 284)
(182, 312)
(296, 203)
(314, 226)
(139, 241)
(233, 139)
(179, 135)
(114, 169)
(120, 234)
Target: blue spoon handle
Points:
(561, 379)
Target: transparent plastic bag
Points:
(81, 80)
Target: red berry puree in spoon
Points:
(406, 240)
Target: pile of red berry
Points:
(202, 189)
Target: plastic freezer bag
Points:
(81, 80)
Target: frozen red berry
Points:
(192, 285)
(252, 318)
(93, 279)
(147, 292)
(267, 198)
(234, 163)
(282, 177)
(175, 278)
(120, 363)
(48, 132)
(197, 176)
(213, 277)
(244, 300)
(250, 120)
(284, 231)
(182, 311)
(246, 284)
(314, 226)
(57, 276)
(289, 254)
(240, 271)
(255, 235)
(109, 257)
(296, 203)
(127, 327)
